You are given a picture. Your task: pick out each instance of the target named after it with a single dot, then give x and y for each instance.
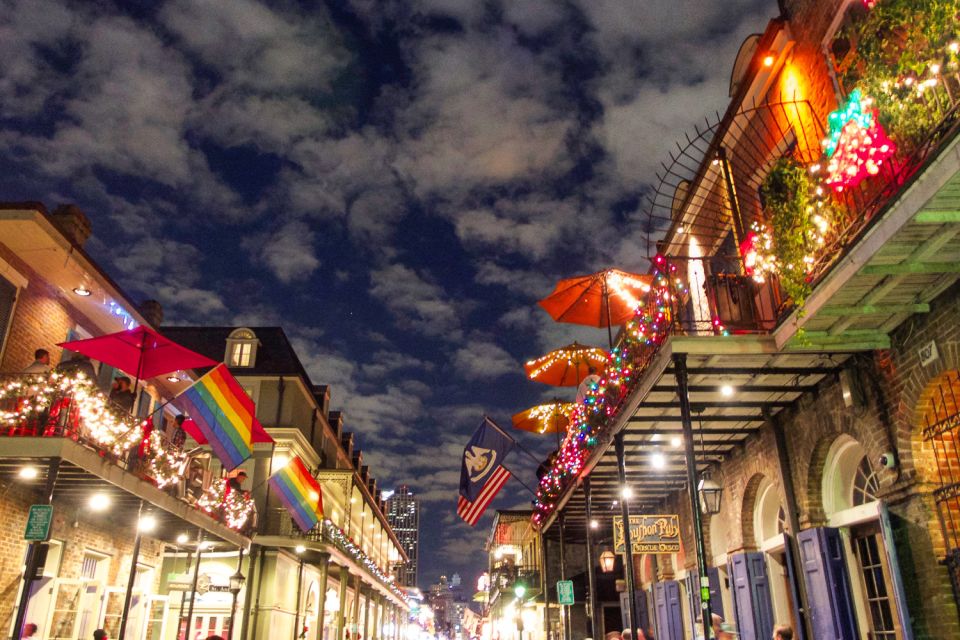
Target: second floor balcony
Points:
(102, 449)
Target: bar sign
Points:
(565, 592)
(38, 523)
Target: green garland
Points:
(899, 44)
(786, 192)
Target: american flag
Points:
(471, 511)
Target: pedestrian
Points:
(121, 395)
(612, 635)
(214, 637)
(586, 387)
(41, 362)
(782, 632)
(100, 634)
(721, 631)
(627, 634)
(29, 630)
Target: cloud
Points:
(483, 360)
(416, 303)
(268, 49)
(384, 363)
(484, 110)
(288, 252)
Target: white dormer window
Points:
(241, 348)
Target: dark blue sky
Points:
(395, 182)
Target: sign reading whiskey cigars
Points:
(649, 534)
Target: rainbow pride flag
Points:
(299, 492)
(224, 413)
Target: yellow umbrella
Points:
(566, 366)
(545, 418)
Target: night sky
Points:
(395, 182)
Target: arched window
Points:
(241, 348)
(866, 486)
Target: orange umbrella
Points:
(603, 299)
(545, 418)
(567, 366)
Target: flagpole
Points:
(522, 483)
(512, 439)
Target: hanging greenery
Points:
(786, 192)
(903, 50)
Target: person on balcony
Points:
(121, 395)
(41, 362)
(586, 387)
(78, 364)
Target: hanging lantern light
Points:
(710, 493)
(607, 561)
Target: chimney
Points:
(152, 312)
(322, 393)
(73, 222)
(358, 461)
(346, 441)
(336, 423)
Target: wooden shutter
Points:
(828, 584)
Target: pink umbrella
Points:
(141, 351)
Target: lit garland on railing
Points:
(603, 401)
(165, 463)
(345, 543)
(759, 262)
(233, 507)
(68, 401)
(856, 144)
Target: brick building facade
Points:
(830, 426)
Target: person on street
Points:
(782, 632)
(41, 362)
(720, 630)
(612, 635)
(100, 634)
(29, 630)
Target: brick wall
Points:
(41, 319)
(78, 534)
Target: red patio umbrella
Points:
(141, 351)
(601, 299)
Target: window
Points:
(241, 348)
(94, 566)
(866, 486)
(874, 579)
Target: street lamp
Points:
(710, 493)
(607, 561)
(237, 581)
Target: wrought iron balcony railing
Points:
(69, 406)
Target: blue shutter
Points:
(716, 599)
(740, 590)
(643, 615)
(760, 594)
(900, 595)
(828, 585)
(669, 611)
(643, 612)
(794, 585)
(753, 609)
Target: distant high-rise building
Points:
(403, 513)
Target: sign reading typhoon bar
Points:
(649, 534)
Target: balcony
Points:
(102, 448)
(736, 278)
(506, 576)
(280, 530)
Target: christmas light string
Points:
(604, 398)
